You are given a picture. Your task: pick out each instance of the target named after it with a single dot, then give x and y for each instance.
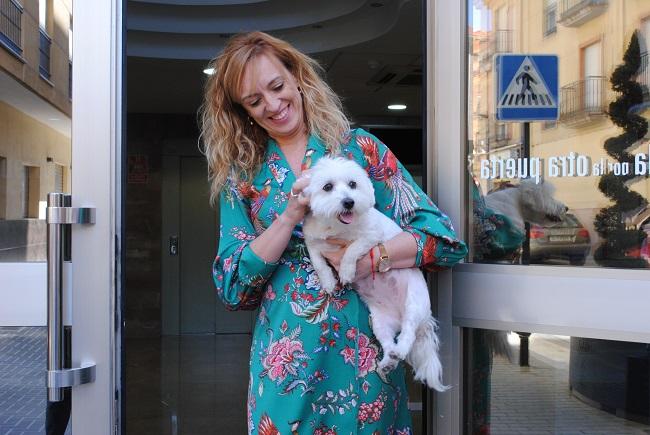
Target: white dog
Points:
(341, 204)
(527, 202)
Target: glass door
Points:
(182, 349)
(551, 300)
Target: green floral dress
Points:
(313, 361)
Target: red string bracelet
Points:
(372, 263)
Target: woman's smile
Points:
(271, 97)
(282, 116)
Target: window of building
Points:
(501, 131)
(550, 16)
(70, 59)
(593, 77)
(3, 188)
(644, 71)
(31, 191)
(11, 13)
(645, 31)
(45, 41)
(59, 178)
(42, 14)
(70, 39)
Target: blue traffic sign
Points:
(527, 87)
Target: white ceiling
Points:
(357, 41)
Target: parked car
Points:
(564, 240)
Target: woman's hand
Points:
(334, 257)
(298, 204)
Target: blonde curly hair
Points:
(234, 147)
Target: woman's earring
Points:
(300, 91)
(250, 121)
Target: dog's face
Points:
(538, 204)
(339, 191)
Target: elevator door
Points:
(190, 304)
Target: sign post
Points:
(527, 90)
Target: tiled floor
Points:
(22, 380)
(536, 399)
(187, 385)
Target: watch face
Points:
(384, 265)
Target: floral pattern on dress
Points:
(313, 367)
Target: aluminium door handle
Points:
(60, 216)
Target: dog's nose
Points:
(348, 203)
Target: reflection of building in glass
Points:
(590, 38)
(35, 110)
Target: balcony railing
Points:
(44, 49)
(503, 41)
(575, 12)
(583, 101)
(644, 75)
(10, 25)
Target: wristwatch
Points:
(383, 265)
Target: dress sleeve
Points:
(400, 198)
(239, 274)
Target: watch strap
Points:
(383, 253)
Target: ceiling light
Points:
(396, 106)
(208, 71)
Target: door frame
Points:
(97, 138)
(579, 301)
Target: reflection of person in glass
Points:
(644, 252)
(267, 117)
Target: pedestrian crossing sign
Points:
(527, 87)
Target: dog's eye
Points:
(352, 184)
(327, 187)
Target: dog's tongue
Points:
(346, 217)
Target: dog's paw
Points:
(397, 354)
(387, 364)
(328, 284)
(347, 273)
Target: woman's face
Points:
(270, 95)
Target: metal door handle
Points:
(59, 218)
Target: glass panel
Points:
(35, 159)
(521, 383)
(571, 192)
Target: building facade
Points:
(36, 110)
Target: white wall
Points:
(23, 294)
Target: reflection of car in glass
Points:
(564, 240)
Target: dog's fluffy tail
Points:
(424, 356)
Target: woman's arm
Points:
(270, 245)
(245, 261)
(401, 199)
(402, 250)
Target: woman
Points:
(267, 116)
